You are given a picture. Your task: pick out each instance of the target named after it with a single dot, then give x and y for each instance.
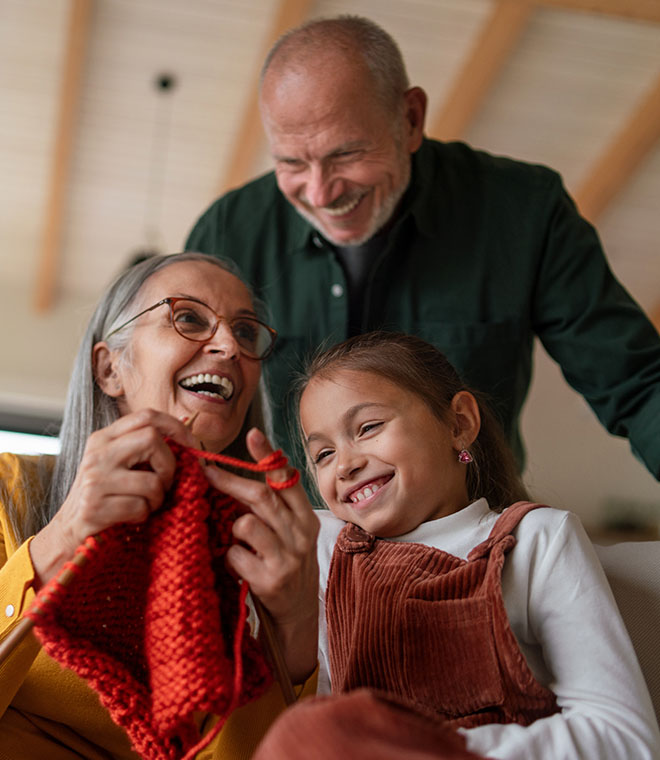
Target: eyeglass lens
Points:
(196, 321)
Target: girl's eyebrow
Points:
(347, 417)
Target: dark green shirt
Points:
(485, 253)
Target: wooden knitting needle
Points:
(26, 624)
(274, 650)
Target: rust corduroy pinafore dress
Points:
(431, 628)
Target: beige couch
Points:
(633, 570)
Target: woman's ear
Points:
(104, 363)
(467, 419)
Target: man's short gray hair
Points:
(354, 36)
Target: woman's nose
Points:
(223, 342)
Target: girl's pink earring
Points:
(464, 456)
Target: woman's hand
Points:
(281, 567)
(107, 489)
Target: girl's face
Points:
(163, 370)
(382, 459)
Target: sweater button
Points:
(337, 290)
(9, 610)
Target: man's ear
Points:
(467, 419)
(104, 363)
(415, 113)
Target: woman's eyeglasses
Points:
(196, 321)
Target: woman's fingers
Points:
(125, 472)
(277, 550)
(259, 447)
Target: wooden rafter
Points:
(490, 52)
(655, 317)
(642, 10)
(250, 134)
(622, 156)
(72, 73)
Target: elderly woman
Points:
(174, 338)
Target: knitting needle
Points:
(22, 628)
(26, 624)
(275, 651)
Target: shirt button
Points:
(316, 239)
(9, 610)
(337, 290)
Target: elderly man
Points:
(367, 224)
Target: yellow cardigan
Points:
(49, 712)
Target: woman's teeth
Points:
(209, 385)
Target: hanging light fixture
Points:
(164, 84)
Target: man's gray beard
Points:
(382, 218)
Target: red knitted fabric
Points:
(154, 621)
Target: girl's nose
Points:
(349, 465)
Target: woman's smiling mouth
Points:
(213, 386)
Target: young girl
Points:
(442, 585)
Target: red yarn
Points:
(154, 621)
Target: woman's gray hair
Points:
(88, 409)
(356, 37)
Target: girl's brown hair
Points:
(418, 367)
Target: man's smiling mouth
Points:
(346, 206)
(213, 386)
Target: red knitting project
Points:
(154, 622)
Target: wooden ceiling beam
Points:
(250, 134)
(72, 74)
(655, 316)
(490, 52)
(622, 156)
(642, 10)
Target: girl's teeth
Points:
(366, 493)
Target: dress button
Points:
(337, 290)
(9, 610)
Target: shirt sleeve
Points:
(16, 595)
(587, 656)
(607, 348)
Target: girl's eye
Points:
(368, 427)
(322, 455)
